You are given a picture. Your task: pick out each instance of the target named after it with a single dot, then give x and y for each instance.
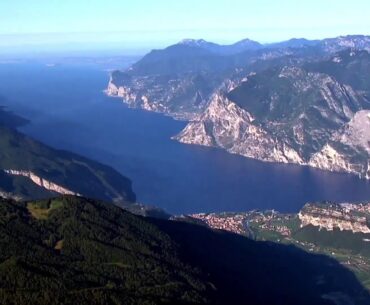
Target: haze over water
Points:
(67, 109)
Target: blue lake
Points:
(67, 109)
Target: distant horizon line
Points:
(121, 40)
(118, 46)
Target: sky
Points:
(145, 24)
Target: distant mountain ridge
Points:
(329, 44)
(240, 46)
(278, 102)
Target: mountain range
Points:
(288, 102)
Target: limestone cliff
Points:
(348, 149)
(46, 184)
(226, 125)
(306, 118)
(345, 217)
(179, 96)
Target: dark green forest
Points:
(72, 250)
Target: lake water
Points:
(68, 110)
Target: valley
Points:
(165, 173)
(184, 152)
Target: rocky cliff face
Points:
(289, 115)
(285, 102)
(348, 149)
(46, 184)
(224, 124)
(345, 217)
(180, 96)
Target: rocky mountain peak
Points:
(193, 42)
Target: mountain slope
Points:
(165, 80)
(333, 45)
(290, 113)
(177, 80)
(328, 45)
(180, 79)
(280, 102)
(81, 251)
(294, 43)
(30, 169)
(348, 149)
(235, 48)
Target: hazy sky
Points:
(144, 24)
